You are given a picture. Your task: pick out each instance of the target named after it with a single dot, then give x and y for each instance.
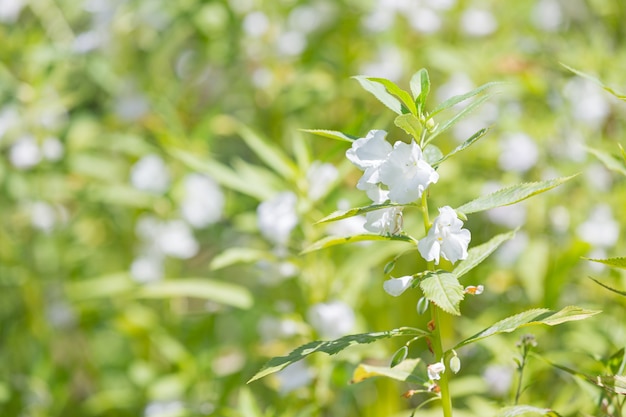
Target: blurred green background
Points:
(155, 192)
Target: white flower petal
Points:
(396, 286)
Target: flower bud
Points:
(455, 364)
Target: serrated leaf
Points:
(608, 287)
(332, 347)
(392, 88)
(463, 146)
(457, 117)
(380, 92)
(420, 88)
(520, 410)
(611, 383)
(432, 154)
(332, 134)
(410, 124)
(329, 241)
(595, 80)
(608, 160)
(443, 289)
(233, 256)
(511, 195)
(405, 371)
(614, 262)
(531, 318)
(453, 101)
(479, 253)
(272, 155)
(344, 214)
(218, 291)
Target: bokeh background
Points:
(155, 193)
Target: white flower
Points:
(498, 379)
(518, 153)
(331, 320)
(150, 174)
(396, 286)
(43, 216)
(176, 239)
(294, 376)
(406, 173)
(446, 237)
(600, 229)
(52, 148)
(203, 202)
(25, 153)
(320, 176)
(368, 154)
(277, 217)
(476, 22)
(147, 268)
(435, 370)
(386, 221)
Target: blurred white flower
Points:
(320, 176)
(349, 226)
(600, 229)
(164, 409)
(176, 239)
(518, 152)
(510, 251)
(406, 173)
(387, 221)
(25, 153)
(477, 22)
(294, 376)
(9, 118)
(547, 15)
(388, 64)
(498, 379)
(484, 116)
(43, 216)
(291, 43)
(597, 253)
(88, 41)
(396, 286)
(559, 218)
(458, 83)
(277, 217)
(203, 202)
(435, 370)
(511, 216)
(131, 105)
(262, 77)
(273, 328)
(10, 10)
(446, 237)
(331, 320)
(308, 18)
(52, 148)
(589, 103)
(150, 174)
(256, 24)
(598, 177)
(147, 268)
(424, 20)
(379, 20)
(440, 4)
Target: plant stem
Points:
(446, 400)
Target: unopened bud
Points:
(455, 364)
(474, 290)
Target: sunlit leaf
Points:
(479, 253)
(272, 155)
(613, 262)
(611, 383)
(531, 318)
(608, 160)
(391, 87)
(329, 241)
(595, 80)
(102, 287)
(616, 291)
(443, 289)
(462, 146)
(522, 410)
(332, 134)
(453, 101)
(432, 154)
(233, 256)
(410, 124)
(332, 347)
(511, 195)
(457, 117)
(420, 88)
(380, 92)
(208, 289)
(343, 214)
(405, 371)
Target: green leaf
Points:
(273, 156)
(332, 134)
(614, 262)
(462, 146)
(332, 347)
(432, 154)
(329, 241)
(617, 362)
(595, 80)
(608, 160)
(479, 253)
(608, 287)
(443, 289)
(531, 318)
(511, 195)
(110, 285)
(453, 101)
(520, 410)
(380, 92)
(420, 87)
(218, 291)
(410, 124)
(233, 256)
(343, 214)
(391, 87)
(611, 383)
(405, 371)
(457, 117)
(399, 356)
